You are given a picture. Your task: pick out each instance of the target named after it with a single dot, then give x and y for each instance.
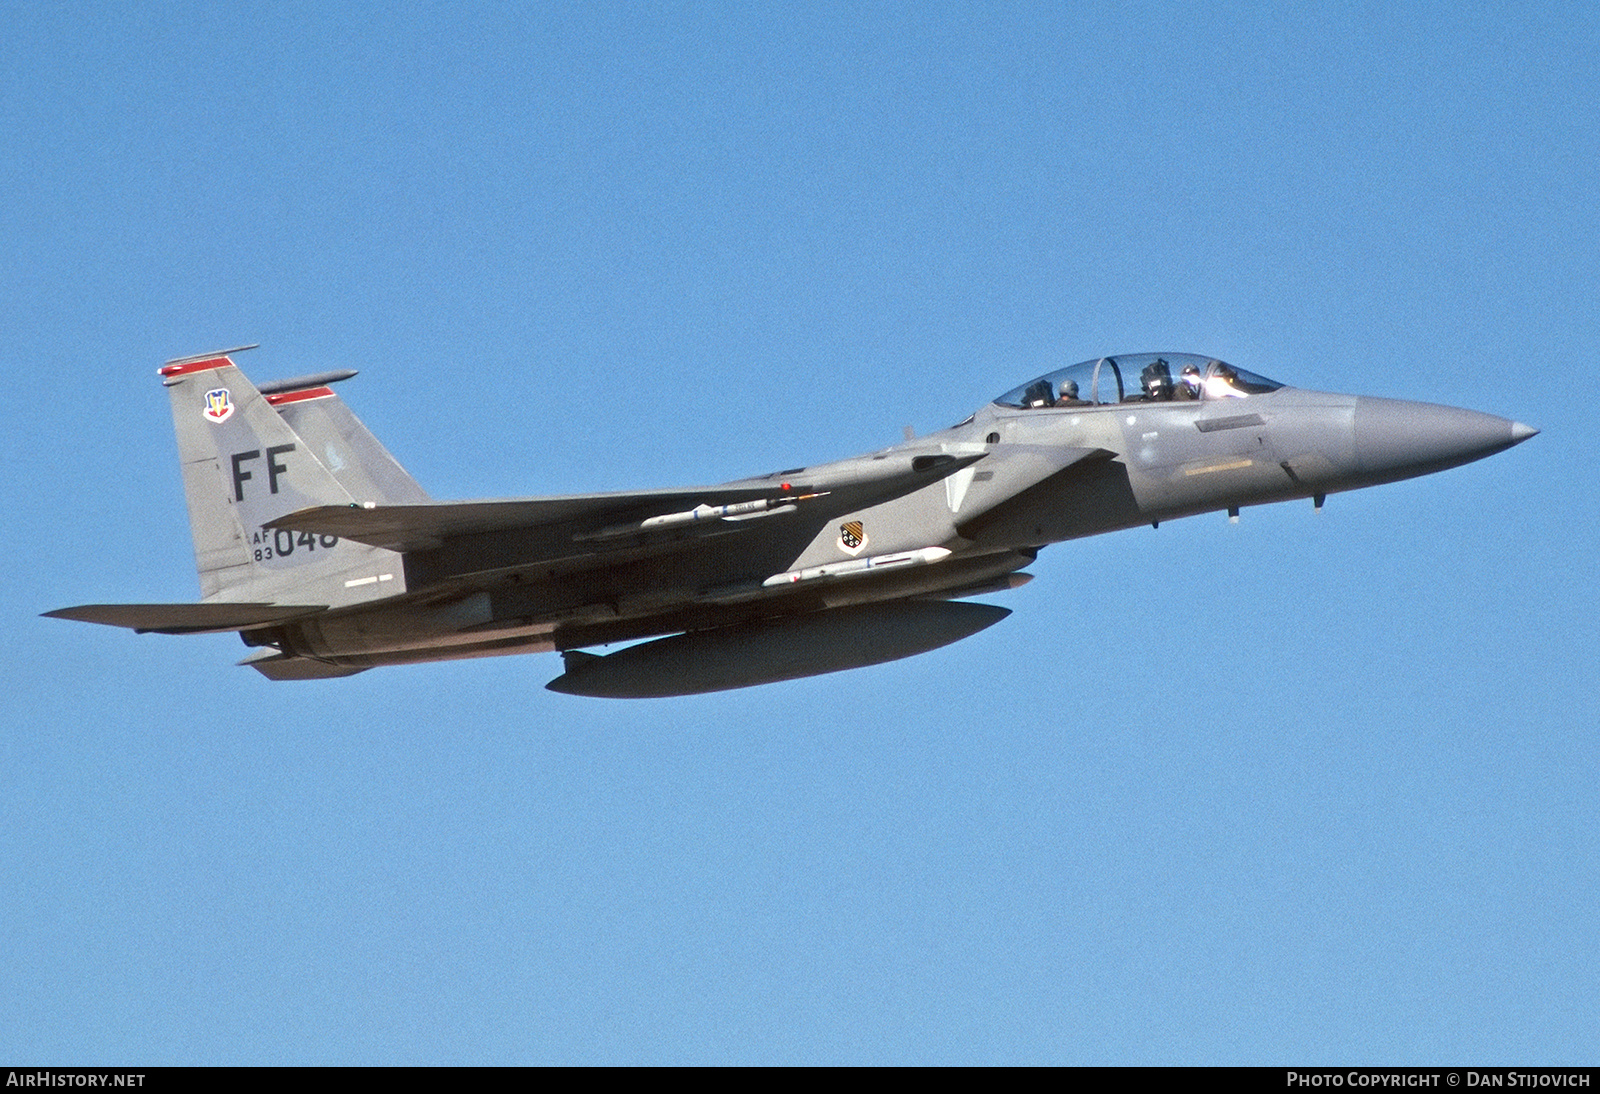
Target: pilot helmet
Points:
(1069, 389)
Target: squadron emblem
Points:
(852, 537)
(219, 406)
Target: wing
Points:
(590, 523)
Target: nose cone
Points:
(1396, 440)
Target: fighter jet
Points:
(328, 559)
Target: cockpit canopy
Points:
(1139, 378)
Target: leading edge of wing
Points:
(186, 618)
(425, 527)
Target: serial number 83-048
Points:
(274, 543)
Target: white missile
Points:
(716, 512)
(734, 511)
(857, 566)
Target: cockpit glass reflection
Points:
(1139, 378)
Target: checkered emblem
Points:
(852, 537)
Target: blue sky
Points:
(1311, 788)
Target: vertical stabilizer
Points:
(357, 460)
(244, 466)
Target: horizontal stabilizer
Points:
(186, 618)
